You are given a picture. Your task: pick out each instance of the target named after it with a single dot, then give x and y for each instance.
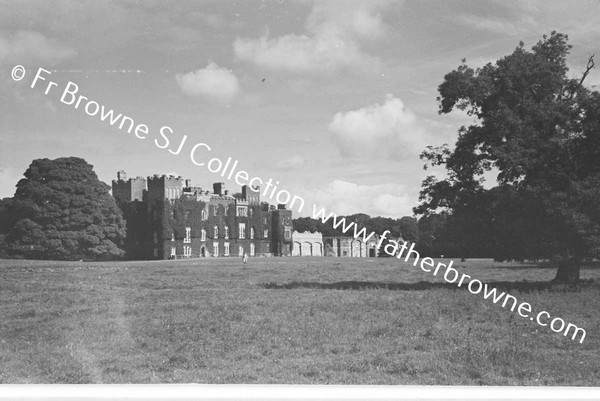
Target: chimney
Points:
(281, 206)
(121, 175)
(188, 183)
(218, 188)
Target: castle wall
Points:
(307, 244)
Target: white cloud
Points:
(343, 198)
(386, 130)
(212, 82)
(25, 47)
(293, 162)
(332, 42)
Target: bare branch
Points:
(589, 67)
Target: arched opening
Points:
(306, 249)
(317, 249)
(297, 249)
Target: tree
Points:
(541, 130)
(62, 211)
(303, 224)
(409, 228)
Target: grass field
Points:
(288, 320)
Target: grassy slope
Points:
(216, 322)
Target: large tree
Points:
(540, 129)
(62, 211)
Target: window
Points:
(203, 235)
(156, 252)
(155, 238)
(242, 231)
(203, 214)
(172, 236)
(215, 249)
(265, 220)
(215, 211)
(187, 251)
(173, 252)
(242, 211)
(287, 234)
(226, 233)
(188, 235)
(187, 215)
(226, 249)
(250, 212)
(240, 250)
(266, 233)
(251, 232)
(216, 232)
(251, 249)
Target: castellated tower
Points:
(251, 194)
(128, 190)
(164, 187)
(281, 227)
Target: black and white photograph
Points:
(299, 199)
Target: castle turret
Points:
(251, 194)
(281, 231)
(164, 187)
(128, 190)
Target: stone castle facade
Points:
(168, 218)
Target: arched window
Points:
(216, 232)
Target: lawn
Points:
(288, 320)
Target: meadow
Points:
(288, 320)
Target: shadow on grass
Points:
(523, 286)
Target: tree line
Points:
(431, 234)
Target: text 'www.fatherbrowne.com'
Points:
(407, 252)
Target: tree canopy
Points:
(62, 211)
(540, 129)
(405, 227)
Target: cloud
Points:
(212, 82)
(386, 130)
(343, 198)
(334, 31)
(25, 47)
(291, 163)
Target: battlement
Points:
(164, 187)
(128, 190)
(251, 194)
(167, 179)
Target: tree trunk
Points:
(568, 270)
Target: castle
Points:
(168, 218)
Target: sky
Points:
(335, 100)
